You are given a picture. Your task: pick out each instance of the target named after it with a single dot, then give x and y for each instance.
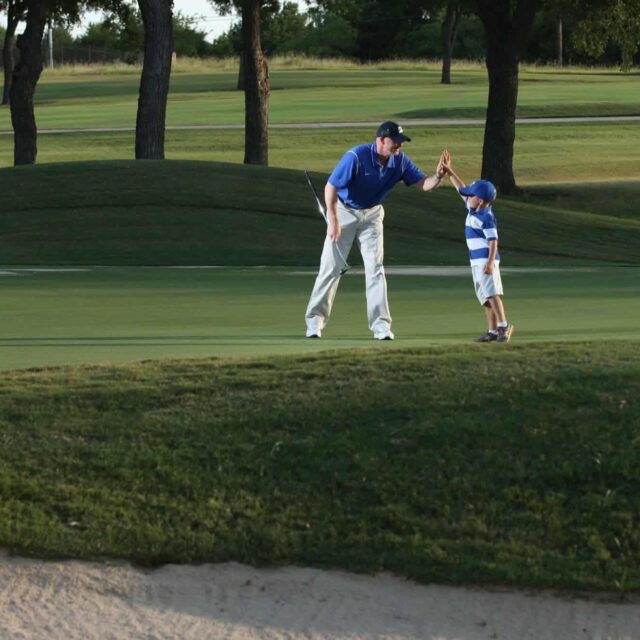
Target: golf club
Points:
(324, 215)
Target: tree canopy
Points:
(611, 22)
(595, 31)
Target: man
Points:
(353, 196)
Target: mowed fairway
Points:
(204, 94)
(115, 314)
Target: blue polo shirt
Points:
(363, 182)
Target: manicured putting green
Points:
(57, 316)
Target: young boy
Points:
(481, 231)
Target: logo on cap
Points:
(392, 130)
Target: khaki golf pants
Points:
(365, 225)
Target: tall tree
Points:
(604, 21)
(278, 22)
(384, 28)
(452, 15)
(15, 13)
(256, 87)
(25, 77)
(255, 76)
(27, 70)
(154, 82)
(507, 24)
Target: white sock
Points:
(502, 324)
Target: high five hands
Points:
(444, 164)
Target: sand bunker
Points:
(52, 600)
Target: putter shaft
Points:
(323, 213)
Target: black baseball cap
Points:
(392, 130)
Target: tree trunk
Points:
(8, 63)
(240, 86)
(500, 128)
(8, 60)
(507, 27)
(25, 77)
(256, 92)
(154, 83)
(448, 34)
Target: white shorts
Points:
(487, 285)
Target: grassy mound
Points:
(185, 213)
(508, 466)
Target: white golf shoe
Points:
(387, 334)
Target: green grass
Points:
(109, 315)
(514, 466)
(544, 154)
(190, 213)
(205, 95)
(441, 460)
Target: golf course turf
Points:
(159, 403)
(452, 464)
(117, 314)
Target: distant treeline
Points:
(379, 30)
(121, 37)
(363, 35)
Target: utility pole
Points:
(50, 45)
(560, 52)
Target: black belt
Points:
(356, 208)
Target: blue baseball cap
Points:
(392, 130)
(483, 189)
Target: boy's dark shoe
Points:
(487, 337)
(505, 333)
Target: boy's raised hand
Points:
(444, 165)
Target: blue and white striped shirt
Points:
(480, 227)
